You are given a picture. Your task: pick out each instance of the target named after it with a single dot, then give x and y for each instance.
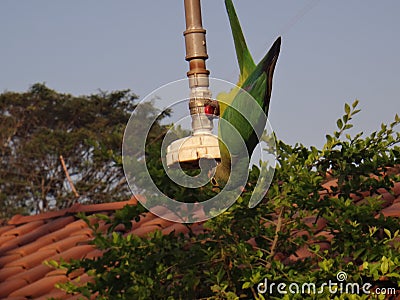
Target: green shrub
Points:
(222, 264)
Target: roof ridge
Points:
(74, 209)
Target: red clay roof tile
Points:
(5, 228)
(162, 223)
(6, 273)
(83, 278)
(329, 184)
(77, 252)
(4, 260)
(56, 272)
(197, 228)
(33, 274)
(34, 234)
(396, 188)
(39, 288)
(4, 239)
(78, 224)
(29, 248)
(315, 223)
(66, 243)
(32, 260)
(144, 218)
(94, 254)
(19, 241)
(177, 228)
(102, 207)
(58, 223)
(392, 211)
(142, 231)
(61, 233)
(18, 219)
(19, 298)
(20, 230)
(55, 294)
(84, 231)
(11, 285)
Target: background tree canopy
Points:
(38, 126)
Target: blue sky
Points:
(332, 52)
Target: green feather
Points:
(244, 58)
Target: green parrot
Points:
(243, 111)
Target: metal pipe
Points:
(195, 41)
(196, 55)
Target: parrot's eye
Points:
(215, 186)
(214, 182)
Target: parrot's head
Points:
(220, 178)
(226, 177)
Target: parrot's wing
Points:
(244, 58)
(265, 67)
(248, 111)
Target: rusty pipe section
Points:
(195, 41)
(196, 55)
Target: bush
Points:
(243, 247)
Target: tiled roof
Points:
(26, 242)
(390, 207)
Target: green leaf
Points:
(339, 123)
(388, 233)
(115, 236)
(365, 265)
(246, 285)
(384, 265)
(52, 263)
(328, 138)
(347, 109)
(395, 275)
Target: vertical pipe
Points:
(196, 55)
(195, 41)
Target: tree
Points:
(221, 263)
(39, 126)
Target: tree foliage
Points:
(38, 126)
(222, 263)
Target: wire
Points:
(297, 17)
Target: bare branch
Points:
(71, 184)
